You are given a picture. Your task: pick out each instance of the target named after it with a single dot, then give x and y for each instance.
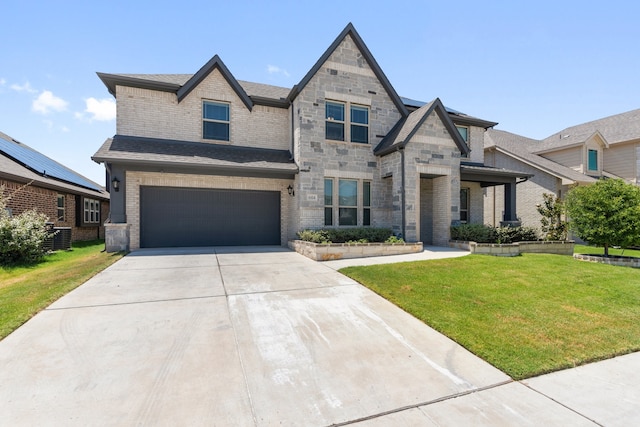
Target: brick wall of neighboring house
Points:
(27, 197)
(45, 200)
(157, 114)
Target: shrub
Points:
(394, 239)
(314, 236)
(21, 237)
(343, 235)
(516, 234)
(487, 234)
(474, 233)
(551, 212)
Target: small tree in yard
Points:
(552, 209)
(606, 213)
(22, 236)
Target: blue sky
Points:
(534, 67)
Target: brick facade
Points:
(414, 191)
(45, 200)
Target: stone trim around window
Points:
(347, 122)
(347, 202)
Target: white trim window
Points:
(340, 127)
(215, 120)
(91, 211)
(343, 205)
(61, 207)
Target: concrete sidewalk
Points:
(264, 336)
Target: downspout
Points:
(403, 195)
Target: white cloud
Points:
(100, 109)
(23, 88)
(273, 69)
(2, 81)
(47, 102)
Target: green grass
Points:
(526, 315)
(599, 250)
(26, 290)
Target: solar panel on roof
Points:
(43, 165)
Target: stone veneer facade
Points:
(414, 191)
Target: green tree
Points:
(552, 209)
(606, 213)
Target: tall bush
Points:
(552, 209)
(22, 236)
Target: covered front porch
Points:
(478, 175)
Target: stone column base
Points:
(116, 237)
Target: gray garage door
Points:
(171, 217)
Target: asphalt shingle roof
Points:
(520, 147)
(252, 89)
(186, 153)
(617, 128)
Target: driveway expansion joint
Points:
(132, 303)
(419, 405)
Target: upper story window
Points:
(464, 132)
(352, 128)
(592, 162)
(60, 207)
(215, 120)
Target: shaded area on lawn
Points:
(526, 315)
(25, 290)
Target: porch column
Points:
(509, 218)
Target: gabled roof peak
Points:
(203, 72)
(350, 30)
(404, 130)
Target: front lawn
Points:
(526, 315)
(599, 250)
(26, 290)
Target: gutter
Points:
(403, 195)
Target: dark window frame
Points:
(209, 119)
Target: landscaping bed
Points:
(343, 243)
(331, 251)
(515, 249)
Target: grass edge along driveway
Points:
(27, 290)
(526, 315)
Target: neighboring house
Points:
(578, 155)
(33, 181)
(205, 159)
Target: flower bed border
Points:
(332, 251)
(620, 261)
(558, 247)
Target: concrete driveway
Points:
(246, 337)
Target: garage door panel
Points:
(172, 217)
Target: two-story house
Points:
(205, 159)
(578, 155)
